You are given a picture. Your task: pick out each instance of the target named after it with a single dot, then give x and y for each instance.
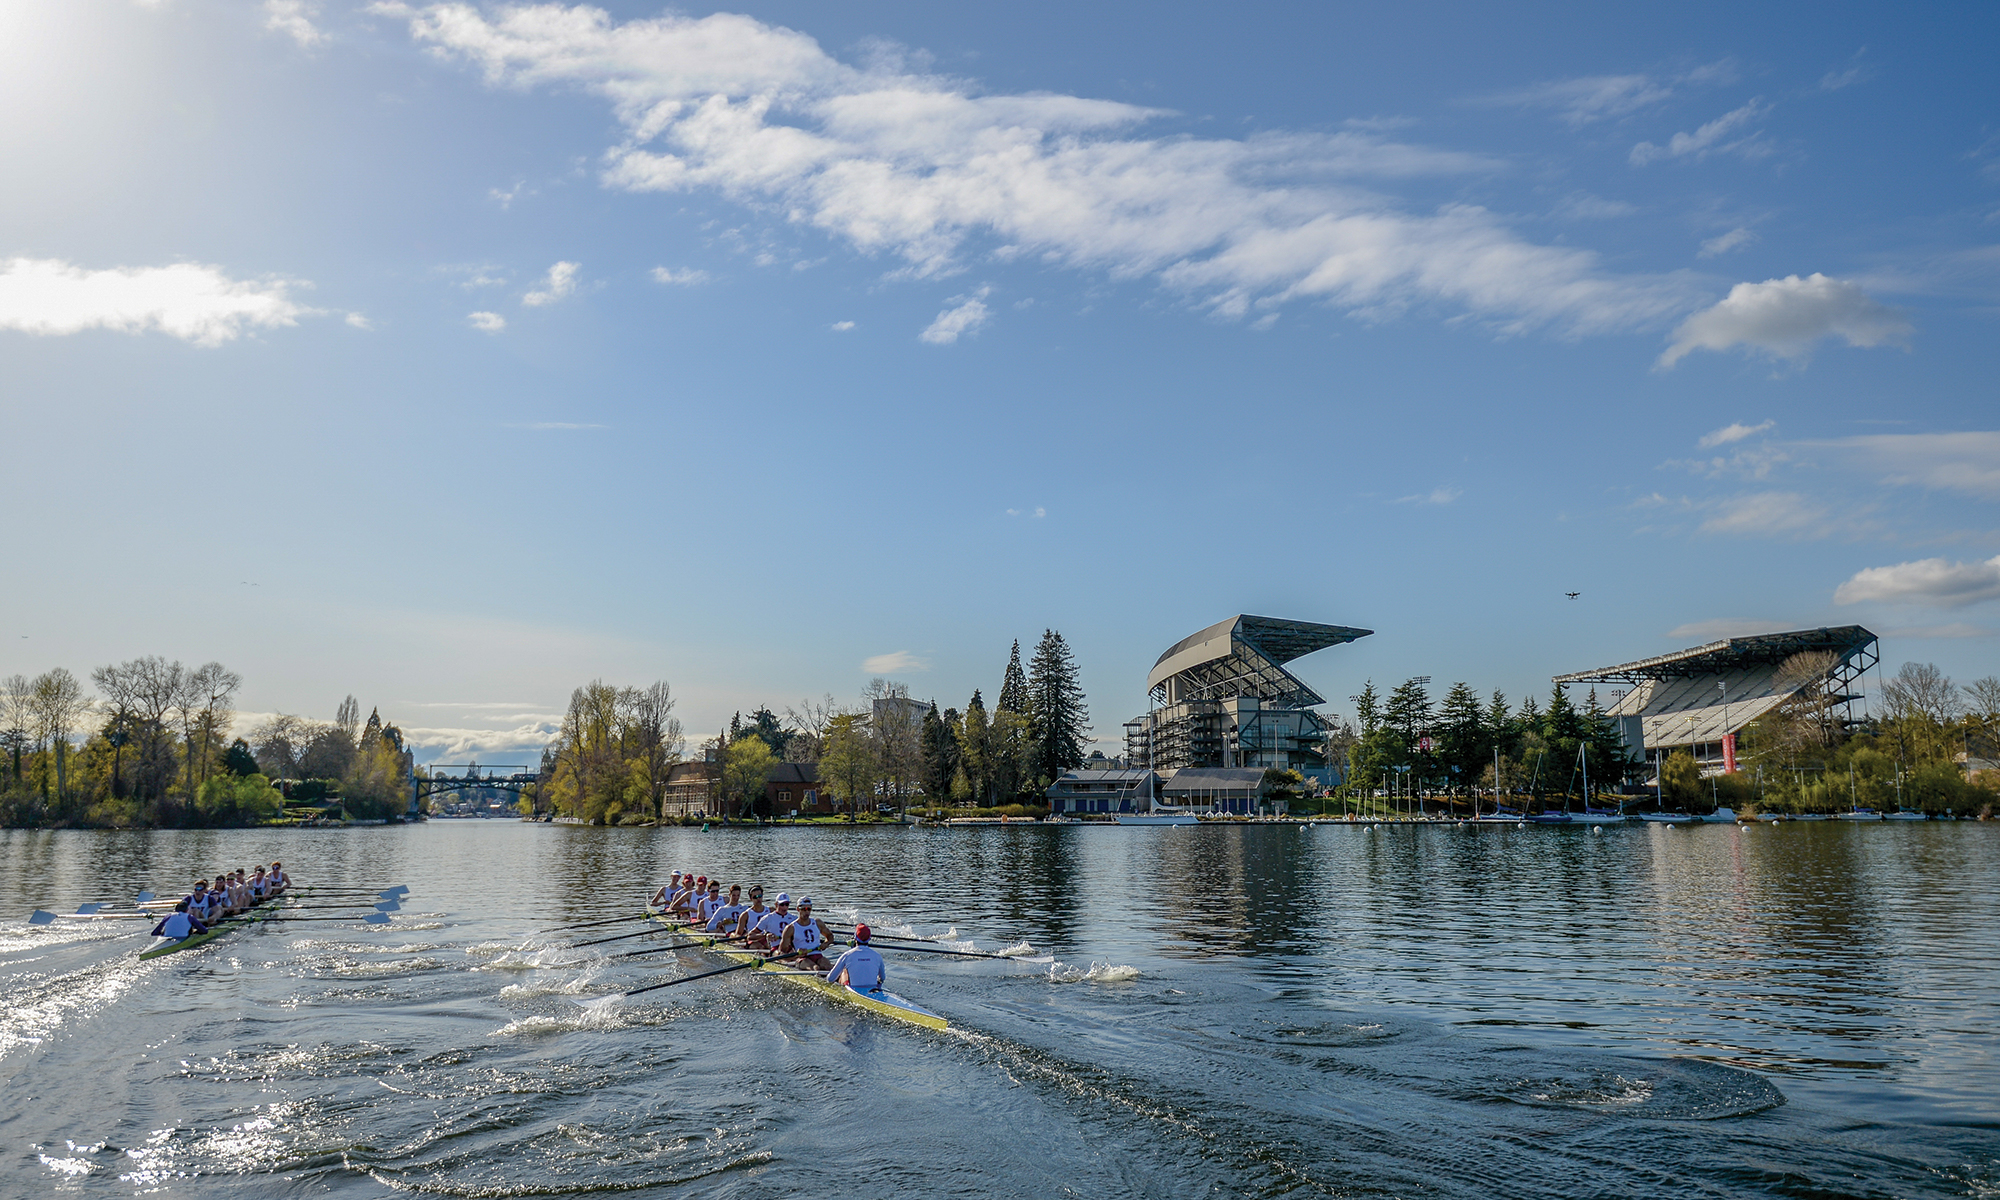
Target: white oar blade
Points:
(142, 897)
(42, 917)
(84, 910)
(377, 918)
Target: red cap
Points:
(861, 933)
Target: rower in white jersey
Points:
(752, 914)
(861, 967)
(706, 906)
(664, 898)
(690, 895)
(769, 926)
(805, 937)
(723, 919)
(277, 879)
(259, 888)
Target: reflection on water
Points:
(1806, 1009)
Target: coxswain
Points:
(278, 880)
(769, 926)
(804, 937)
(723, 919)
(664, 897)
(861, 967)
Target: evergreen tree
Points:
(1562, 724)
(1465, 743)
(1058, 720)
(1368, 708)
(1501, 727)
(975, 749)
(940, 755)
(1014, 685)
(238, 760)
(1408, 713)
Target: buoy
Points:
(1597, 829)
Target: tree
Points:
(1012, 756)
(59, 703)
(213, 687)
(745, 766)
(847, 761)
(975, 750)
(1013, 684)
(17, 709)
(1920, 704)
(1056, 712)
(1465, 742)
(1680, 781)
(657, 734)
(809, 721)
(239, 760)
(940, 755)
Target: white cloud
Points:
(894, 663)
(1956, 629)
(1784, 317)
(434, 744)
(1929, 581)
(1769, 513)
(1966, 462)
(358, 321)
(558, 283)
(1441, 495)
(1723, 243)
(1724, 627)
(294, 19)
(1709, 139)
(841, 326)
(1582, 206)
(967, 317)
(1734, 432)
(1028, 512)
(917, 166)
(191, 301)
(487, 322)
(1598, 97)
(688, 276)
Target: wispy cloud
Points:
(687, 276)
(1956, 629)
(358, 321)
(1734, 432)
(486, 322)
(893, 663)
(1591, 98)
(1712, 138)
(294, 19)
(1582, 206)
(919, 166)
(1723, 243)
(1784, 514)
(1784, 317)
(969, 313)
(1439, 495)
(191, 301)
(841, 326)
(1036, 512)
(1966, 462)
(1928, 581)
(557, 284)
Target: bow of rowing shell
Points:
(256, 914)
(880, 1000)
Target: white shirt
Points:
(805, 935)
(176, 926)
(771, 924)
(724, 917)
(864, 966)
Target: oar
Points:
(621, 937)
(610, 921)
(742, 966)
(969, 953)
(370, 919)
(657, 949)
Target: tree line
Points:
(154, 747)
(616, 747)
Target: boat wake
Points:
(1096, 972)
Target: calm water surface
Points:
(1807, 1010)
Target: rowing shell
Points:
(168, 946)
(880, 1000)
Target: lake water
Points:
(1801, 1010)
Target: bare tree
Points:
(59, 704)
(658, 733)
(214, 686)
(348, 718)
(809, 723)
(17, 717)
(121, 700)
(1921, 701)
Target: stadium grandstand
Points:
(1699, 699)
(1222, 698)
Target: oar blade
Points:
(394, 892)
(142, 897)
(42, 916)
(84, 910)
(377, 918)
(389, 906)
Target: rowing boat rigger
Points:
(880, 1000)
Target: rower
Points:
(709, 903)
(685, 899)
(179, 926)
(861, 967)
(260, 887)
(804, 937)
(278, 880)
(752, 915)
(195, 903)
(769, 927)
(723, 919)
(664, 897)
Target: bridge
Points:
(471, 776)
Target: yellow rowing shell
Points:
(880, 1000)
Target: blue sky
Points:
(454, 355)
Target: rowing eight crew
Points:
(775, 931)
(232, 894)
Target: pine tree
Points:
(1368, 708)
(1014, 685)
(975, 750)
(940, 756)
(1058, 721)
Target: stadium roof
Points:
(1245, 656)
(1731, 654)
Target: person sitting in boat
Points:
(260, 887)
(218, 895)
(723, 918)
(692, 897)
(763, 932)
(278, 880)
(196, 902)
(861, 966)
(706, 903)
(663, 898)
(179, 926)
(805, 937)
